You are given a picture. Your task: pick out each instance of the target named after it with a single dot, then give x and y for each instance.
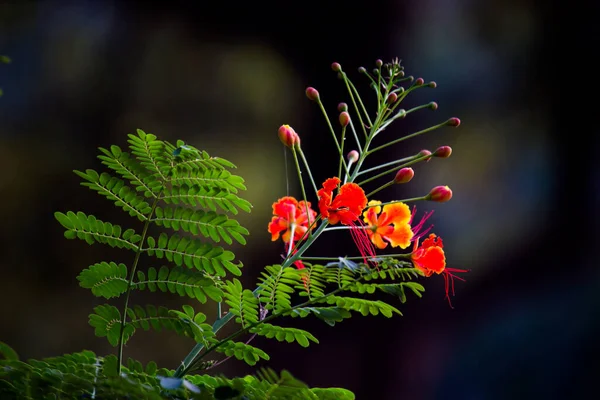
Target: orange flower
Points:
(346, 206)
(290, 215)
(429, 258)
(389, 224)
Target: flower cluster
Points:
(374, 225)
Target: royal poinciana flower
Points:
(389, 224)
(346, 208)
(429, 258)
(291, 215)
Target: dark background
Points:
(224, 77)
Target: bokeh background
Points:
(225, 77)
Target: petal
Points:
(378, 241)
(352, 196)
(433, 259)
(370, 216)
(400, 236)
(331, 184)
(285, 207)
(397, 213)
(373, 207)
(277, 225)
(431, 241)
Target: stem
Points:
(355, 136)
(398, 201)
(130, 286)
(390, 183)
(346, 80)
(302, 187)
(343, 227)
(389, 171)
(220, 323)
(342, 153)
(353, 258)
(431, 128)
(271, 317)
(401, 160)
(308, 169)
(360, 100)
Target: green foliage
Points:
(176, 188)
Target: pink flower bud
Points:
(379, 63)
(362, 70)
(423, 153)
(288, 136)
(342, 107)
(433, 105)
(453, 122)
(432, 84)
(353, 156)
(404, 175)
(443, 152)
(344, 118)
(312, 93)
(419, 82)
(440, 194)
(392, 98)
(336, 67)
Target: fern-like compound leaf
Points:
(106, 321)
(330, 315)
(313, 281)
(242, 302)
(276, 286)
(289, 335)
(151, 154)
(207, 198)
(197, 222)
(196, 322)
(115, 189)
(208, 178)
(105, 279)
(193, 253)
(363, 306)
(92, 230)
(396, 289)
(242, 351)
(183, 281)
(130, 169)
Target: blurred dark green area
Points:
(224, 78)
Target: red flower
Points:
(290, 215)
(346, 206)
(430, 258)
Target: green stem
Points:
(412, 135)
(189, 360)
(342, 153)
(401, 160)
(398, 201)
(269, 318)
(312, 180)
(130, 286)
(355, 136)
(390, 183)
(364, 109)
(395, 169)
(353, 258)
(301, 187)
(346, 81)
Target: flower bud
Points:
(443, 152)
(342, 107)
(353, 156)
(312, 93)
(453, 122)
(419, 82)
(288, 136)
(433, 105)
(379, 63)
(344, 119)
(439, 194)
(392, 98)
(432, 84)
(362, 70)
(424, 153)
(404, 175)
(336, 67)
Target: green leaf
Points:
(242, 351)
(105, 279)
(183, 281)
(280, 333)
(8, 353)
(106, 321)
